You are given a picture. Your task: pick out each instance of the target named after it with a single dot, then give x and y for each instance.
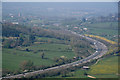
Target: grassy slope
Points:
(12, 57)
(79, 74)
(105, 68)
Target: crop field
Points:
(102, 38)
(13, 57)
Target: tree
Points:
(7, 43)
(27, 50)
(31, 38)
(21, 38)
(42, 55)
(64, 73)
(83, 19)
(85, 74)
(26, 65)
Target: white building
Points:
(15, 23)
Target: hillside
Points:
(41, 48)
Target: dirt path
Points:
(90, 76)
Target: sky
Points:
(59, 0)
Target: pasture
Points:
(105, 68)
(104, 29)
(13, 57)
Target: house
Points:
(85, 67)
(85, 29)
(75, 27)
(15, 23)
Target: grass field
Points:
(45, 39)
(104, 28)
(105, 25)
(13, 57)
(79, 74)
(105, 68)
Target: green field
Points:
(13, 57)
(45, 39)
(105, 25)
(104, 28)
(105, 68)
(76, 74)
(79, 74)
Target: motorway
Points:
(101, 49)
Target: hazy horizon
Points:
(60, 0)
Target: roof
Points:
(85, 67)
